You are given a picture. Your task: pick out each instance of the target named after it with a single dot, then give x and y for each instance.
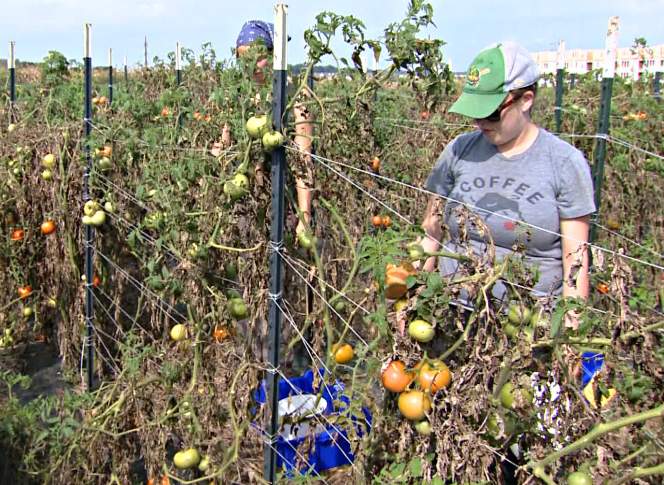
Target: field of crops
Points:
(413, 389)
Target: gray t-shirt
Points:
(548, 182)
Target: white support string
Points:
(309, 348)
(144, 289)
(111, 186)
(343, 295)
(171, 252)
(631, 241)
(165, 147)
(133, 320)
(323, 161)
(317, 293)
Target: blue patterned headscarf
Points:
(256, 30)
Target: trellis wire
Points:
(323, 161)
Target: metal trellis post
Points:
(11, 64)
(89, 230)
(278, 177)
(560, 81)
(656, 89)
(178, 66)
(110, 76)
(126, 72)
(572, 81)
(604, 115)
(178, 76)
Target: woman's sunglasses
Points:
(497, 115)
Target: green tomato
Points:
(519, 314)
(204, 465)
(238, 308)
(186, 458)
(178, 332)
(236, 188)
(579, 478)
(421, 331)
(510, 330)
(423, 427)
(339, 306)
(98, 218)
(105, 164)
(256, 126)
(47, 174)
(48, 160)
(272, 140)
(508, 395)
(90, 207)
(306, 240)
(27, 312)
(415, 251)
(230, 271)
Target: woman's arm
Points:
(304, 131)
(432, 230)
(575, 252)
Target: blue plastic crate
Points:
(331, 446)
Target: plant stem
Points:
(596, 432)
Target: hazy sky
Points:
(38, 26)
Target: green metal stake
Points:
(604, 114)
(560, 80)
(278, 177)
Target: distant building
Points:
(629, 62)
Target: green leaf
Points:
(416, 467)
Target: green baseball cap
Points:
(495, 72)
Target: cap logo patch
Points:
(475, 74)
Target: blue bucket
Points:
(331, 445)
(591, 363)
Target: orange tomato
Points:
(24, 292)
(197, 115)
(48, 227)
(208, 117)
(414, 405)
(395, 377)
(343, 353)
(96, 281)
(106, 151)
(102, 100)
(603, 288)
(377, 221)
(424, 115)
(165, 480)
(386, 221)
(375, 164)
(220, 333)
(165, 112)
(395, 280)
(17, 235)
(433, 375)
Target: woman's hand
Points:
(432, 230)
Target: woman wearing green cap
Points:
(510, 172)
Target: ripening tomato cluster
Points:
(381, 222)
(430, 375)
